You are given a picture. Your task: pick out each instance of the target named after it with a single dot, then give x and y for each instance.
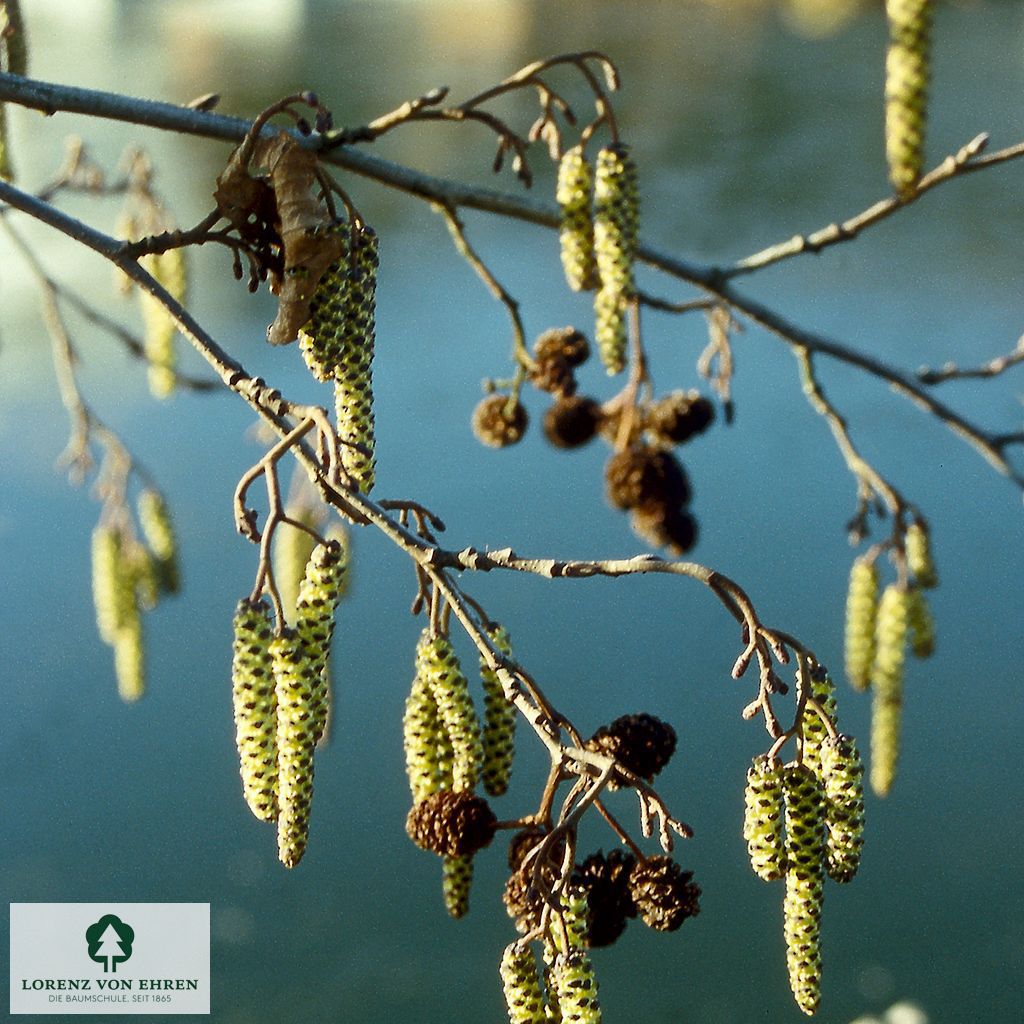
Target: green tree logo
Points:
(110, 942)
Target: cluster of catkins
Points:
(599, 236)
(804, 820)
(281, 692)
(129, 576)
(643, 477)
(878, 630)
(907, 65)
(337, 343)
(448, 751)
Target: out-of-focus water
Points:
(745, 132)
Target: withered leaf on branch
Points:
(268, 193)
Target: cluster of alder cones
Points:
(643, 476)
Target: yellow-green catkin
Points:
(920, 624)
(814, 732)
(616, 223)
(440, 668)
(292, 548)
(887, 677)
(168, 268)
(907, 65)
(158, 529)
(319, 593)
(143, 568)
(576, 988)
(110, 592)
(456, 881)
(521, 984)
(254, 697)
(129, 659)
(861, 609)
(322, 339)
(421, 734)
(353, 379)
(762, 819)
(569, 933)
(576, 234)
(610, 330)
(917, 545)
(295, 681)
(844, 807)
(499, 721)
(805, 838)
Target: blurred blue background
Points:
(749, 122)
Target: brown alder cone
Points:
(450, 823)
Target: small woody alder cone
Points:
(572, 422)
(641, 743)
(642, 475)
(663, 893)
(907, 66)
(679, 416)
(499, 421)
(606, 882)
(665, 526)
(567, 343)
(451, 824)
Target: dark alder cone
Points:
(679, 416)
(499, 421)
(664, 526)
(522, 843)
(565, 342)
(553, 374)
(642, 475)
(451, 824)
(642, 743)
(606, 882)
(572, 422)
(663, 893)
(522, 902)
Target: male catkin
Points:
(805, 836)
(887, 678)
(762, 819)
(844, 807)
(158, 529)
(576, 235)
(322, 339)
(907, 66)
(521, 984)
(159, 327)
(353, 376)
(440, 667)
(456, 881)
(576, 988)
(295, 681)
(255, 707)
(861, 608)
(499, 721)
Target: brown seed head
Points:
(664, 894)
(451, 824)
(642, 475)
(641, 743)
(498, 421)
(572, 422)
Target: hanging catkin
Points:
(887, 679)
(421, 733)
(456, 881)
(168, 268)
(295, 680)
(319, 593)
(919, 555)
(353, 377)
(576, 988)
(805, 836)
(844, 807)
(906, 90)
(573, 193)
(322, 339)
(255, 706)
(158, 529)
(920, 624)
(499, 721)
(521, 984)
(762, 819)
(440, 668)
(814, 731)
(861, 608)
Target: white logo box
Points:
(138, 958)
